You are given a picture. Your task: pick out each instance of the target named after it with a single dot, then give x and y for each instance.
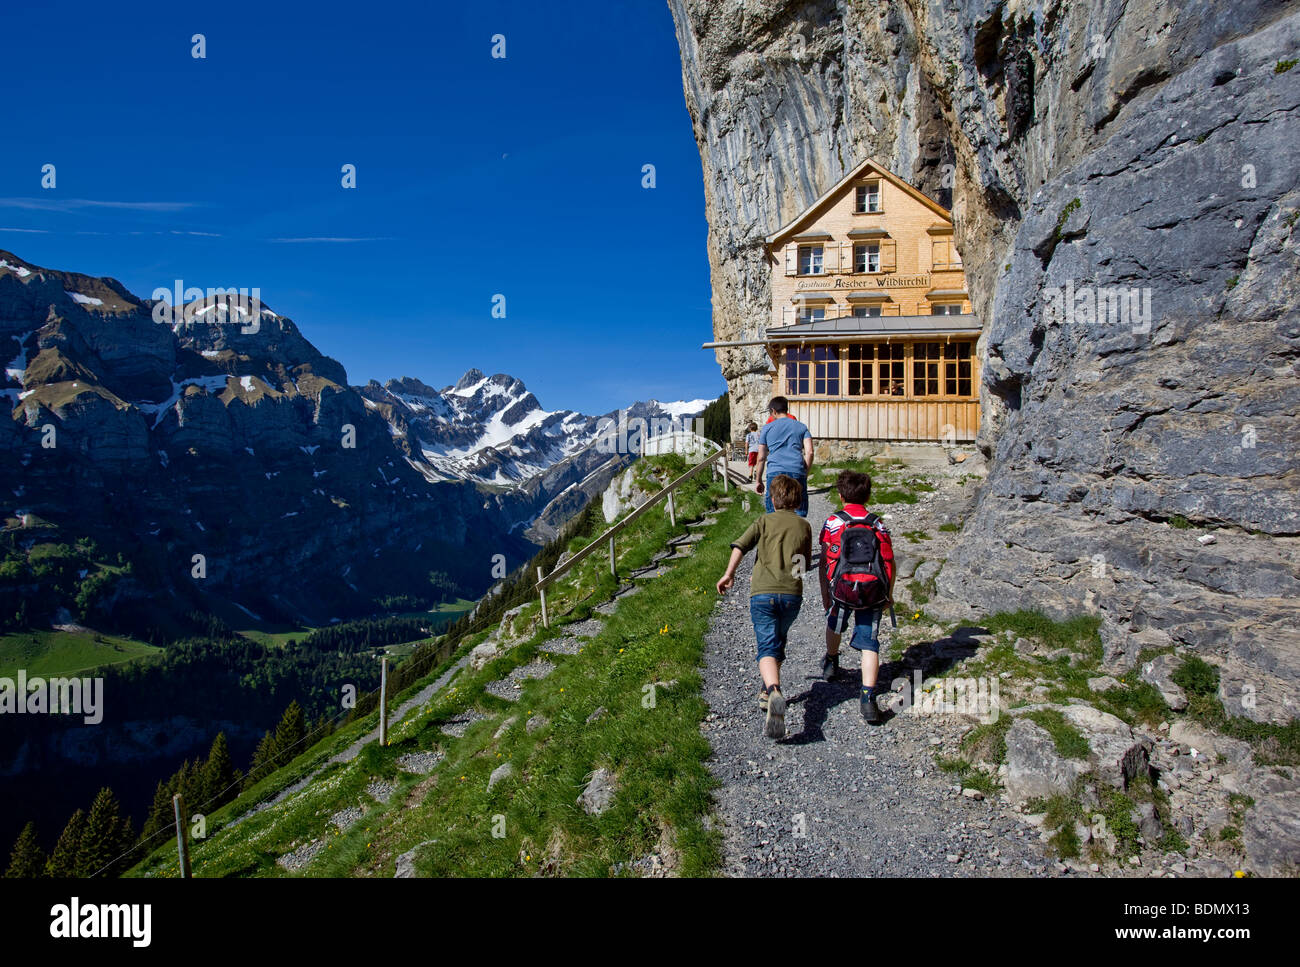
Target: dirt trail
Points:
(837, 797)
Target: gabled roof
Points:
(841, 185)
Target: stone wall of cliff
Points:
(1113, 144)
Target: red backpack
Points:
(860, 557)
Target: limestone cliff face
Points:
(1143, 144)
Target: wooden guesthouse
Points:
(871, 334)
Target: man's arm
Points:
(807, 454)
(759, 464)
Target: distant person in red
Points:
(784, 447)
(751, 445)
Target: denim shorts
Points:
(866, 626)
(773, 615)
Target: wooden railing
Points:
(716, 460)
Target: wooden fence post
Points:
(383, 701)
(726, 476)
(613, 567)
(546, 621)
(672, 510)
(182, 837)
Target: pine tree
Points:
(63, 861)
(160, 813)
(101, 840)
(263, 763)
(290, 733)
(217, 775)
(27, 861)
(717, 419)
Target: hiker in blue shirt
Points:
(784, 447)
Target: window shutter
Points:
(888, 255)
(791, 259)
(846, 257)
(830, 258)
(787, 315)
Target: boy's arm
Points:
(738, 549)
(729, 575)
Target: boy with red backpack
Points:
(857, 581)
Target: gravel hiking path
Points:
(837, 797)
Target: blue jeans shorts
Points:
(773, 615)
(866, 626)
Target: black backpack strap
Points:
(872, 519)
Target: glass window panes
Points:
(957, 369)
(858, 362)
(826, 375)
(797, 361)
(925, 368)
(890, 370)
(810, 260)
(946, 309)
(866, 257)
(810, 314)
(865, 312)
(868, 197)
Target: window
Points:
(858, 363)
(946, 309)
(890, 370)
(810, 260)
(826, 370)
(865, 312)
(809, 314)
(812, 370)
(866, 257)
(797, 362)
(957, 369)
(868, 198)
(925, 368)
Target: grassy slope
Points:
(649, 738)
(50, 653)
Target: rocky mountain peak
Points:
(471, 378)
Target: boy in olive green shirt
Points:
(784, 543)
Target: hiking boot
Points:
(762, 698)
(830, 666)
(774, 722)
(870, 710)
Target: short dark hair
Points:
(779, 404)
(854, 486)
(752, 426)
(787, 493)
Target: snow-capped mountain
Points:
(492, 431)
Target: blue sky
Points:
(475, 176)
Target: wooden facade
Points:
(871, 335)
